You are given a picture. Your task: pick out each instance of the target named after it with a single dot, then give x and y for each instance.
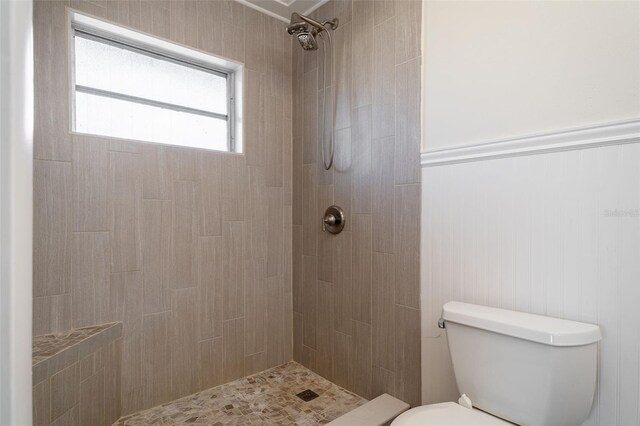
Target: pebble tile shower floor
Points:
(266, 398)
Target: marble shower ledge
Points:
(60, 350)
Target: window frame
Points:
(81, 25)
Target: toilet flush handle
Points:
(441, 323)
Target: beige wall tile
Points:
(255, 40)
(408, 23)
(287, 162)
(113, 381)
(275, 323)
(156, 359)
(408, 355)
(324, 333)
(90, 277)
(275, 235)
(65, 390)
(157, 172)
(52, 225)
(343, 77)
(233, 41)
(274, 139)
(343, 277)
(343, 174)
(133, 331)
(211, 363)
(210, 191)
(310, 108)
(362, 258)
(158, 258)
(361, 158)
(233, 335)
(383, 111)
(342, 360)
(363, 54)
(184, 340)
(362, 361)
(254, 145)
(90, 184)
(325, 239)
(310, 220)
(383, 381)
(383, 308)
(185, 234)
(297, 268)
(235, 185)
(70, 418)
(310, 300)
(52, 140)
(255, 305)
(210, 285)
(233, 269)
(41, 404)
(125, 198)
(255, 363)
(92, 409)
(407, 155)
(297, 336)
(51, 314)
(407, 245)
(382, 156)
(383, 10)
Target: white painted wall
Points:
(497, 69)
(16, 208)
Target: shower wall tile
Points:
(407, 245)
(408, 355)
(157, 182)
(384, 79)
(156, 359)
(233, 358)
(125, 199)
(52, 226)
(184, 338)
(407, 168)
(408, 23)
(361, 160)
(361, 261)
(371, 269)
(362, 37)
(324, 365)
(383, 10)
(185, 234)
(90, 184)
(158, 258)
(177, 243)
(382, 155)
(209, 192)
(90, 277)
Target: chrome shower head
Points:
(307, 40)
(306, 30)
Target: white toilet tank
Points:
(527, 369)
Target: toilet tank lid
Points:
(536, 328)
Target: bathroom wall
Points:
(356, 294)
(548, 225)
(189, 248)
(496, 69)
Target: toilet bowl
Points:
(447, 414)
(514, 367)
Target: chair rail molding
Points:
(617, 133)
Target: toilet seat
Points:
(447, 414)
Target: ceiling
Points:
(282, 9)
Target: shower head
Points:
(306, 29)
(307, 40)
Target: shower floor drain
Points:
(307, 395)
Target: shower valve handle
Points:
(333, 220)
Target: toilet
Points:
(514, 367)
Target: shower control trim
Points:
(333, 220)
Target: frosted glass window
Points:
(133, 92)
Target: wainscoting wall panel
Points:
(549, 233)
(171, 241)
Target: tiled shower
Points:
(215, 263)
